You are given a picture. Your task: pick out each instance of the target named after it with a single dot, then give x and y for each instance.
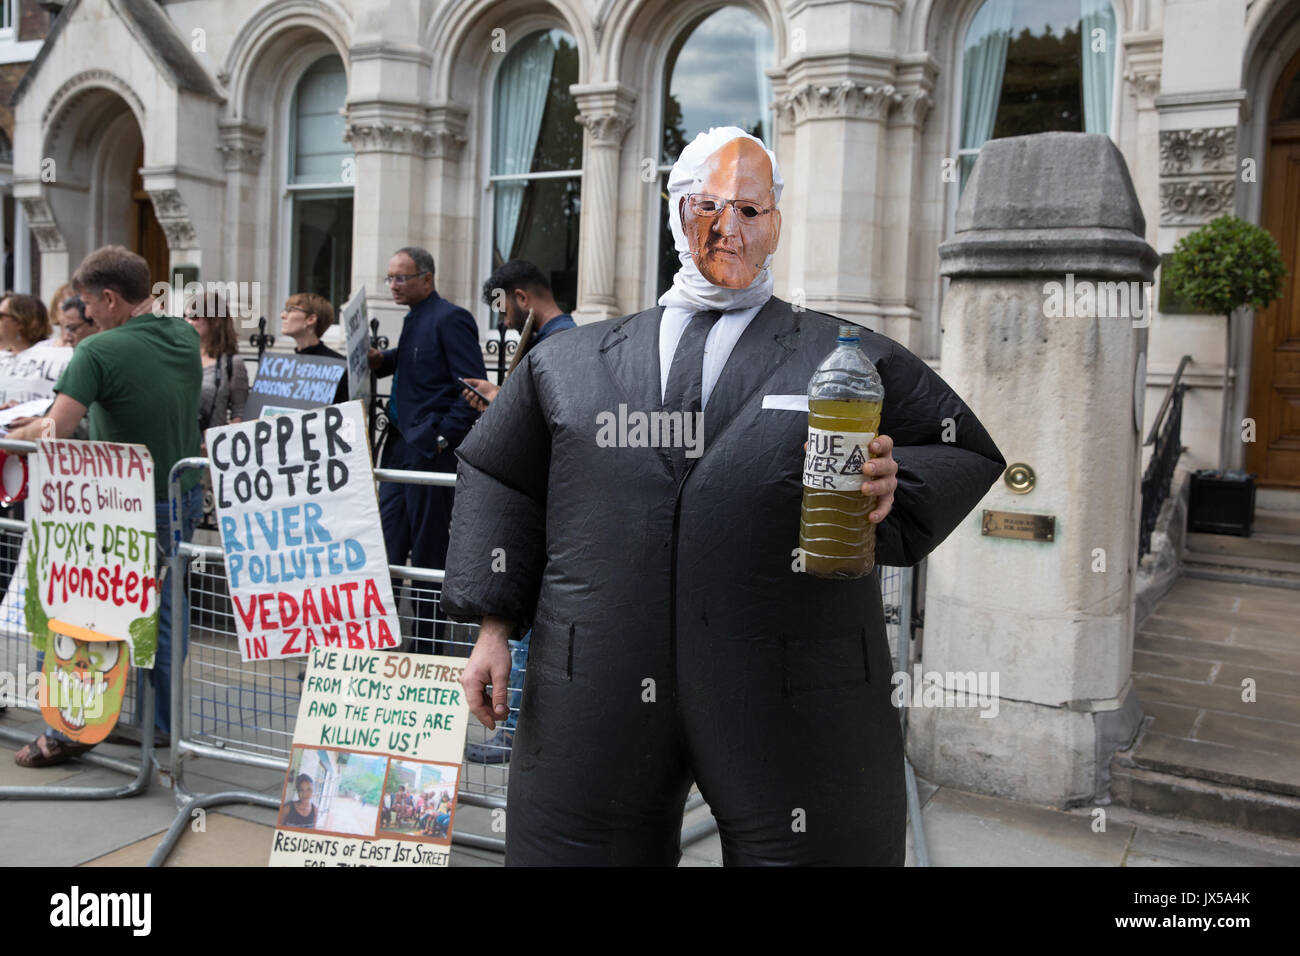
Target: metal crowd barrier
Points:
(18, 661)
(244, 713)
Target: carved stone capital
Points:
(914, 109)
(1144, 85)
(605, 109)
(1143, 63)
(41, 220)
(447, 137)
(843, 100)
(377, 136)
(174, 217)
(241, 147)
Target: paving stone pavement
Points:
(961, 829)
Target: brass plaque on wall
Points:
(1015, 524)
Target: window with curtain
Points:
(320, 184)
(1032, 66)
(536, 177)
(714, 75)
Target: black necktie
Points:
(686, 377)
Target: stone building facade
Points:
(23, 24)
(297, 143)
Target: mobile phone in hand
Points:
(474, 390)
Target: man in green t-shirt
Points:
(138, 380)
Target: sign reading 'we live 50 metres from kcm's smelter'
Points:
(304, 549)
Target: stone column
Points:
(1044, 342)
(241, 146)
(906, 259)
(605, 109)
(387, 209)
(838, 108)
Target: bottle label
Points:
(834, 459)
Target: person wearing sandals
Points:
(139, 379)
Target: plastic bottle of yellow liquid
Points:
(845, 397)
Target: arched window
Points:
(319, 179)
(536, 177)
(1031, 66)
(714, 75)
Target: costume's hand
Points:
(484, 386)
(489, 663)
(882, 471)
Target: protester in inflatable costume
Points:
(675, 638)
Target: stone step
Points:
(1235, 784)
(1239, 570)
(1272, 547)
(1191, 798)
(1277, 499)
(1276, 521)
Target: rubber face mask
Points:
(730, 219)
(85, 682)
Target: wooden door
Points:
(1275, 361)
(147, 236)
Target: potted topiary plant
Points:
(1225, 265)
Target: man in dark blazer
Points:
(427, 420)
(675, 635)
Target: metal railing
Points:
(245, 713)
(1166, 436)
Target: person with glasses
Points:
(29, 363)
(305, 319)
(74, 325)
(427, 420)
(519, 289)
(675, 636)
(139, 379)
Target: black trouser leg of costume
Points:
(793, 740)
(590, 709)
(797, 749)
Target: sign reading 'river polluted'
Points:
(300, 529)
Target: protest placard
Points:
(30, 374)
(91, 590)
(299, 522)
(294, 381)
(91, 560)
(357, 331)
(376, 761)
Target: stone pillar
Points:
(453, 198)
(241, 146)
(905, 261)
(1043, 340)
(387, 214)
(605, 109)
(32, 209)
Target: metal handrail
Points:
(1169, 396)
